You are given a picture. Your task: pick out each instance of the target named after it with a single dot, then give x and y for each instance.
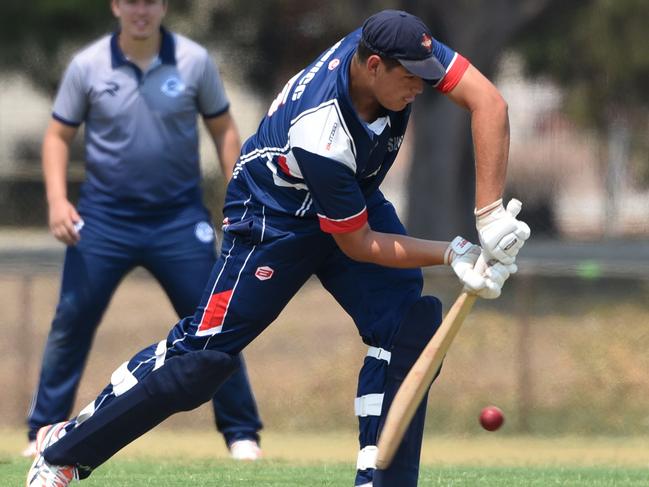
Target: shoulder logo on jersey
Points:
(111, 88)
(204, 232)
(333, 64)
(173, 87)
(427, 42)
(264, 273)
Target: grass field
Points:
(166, 458)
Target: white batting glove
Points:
(495, 274)
(462, 256)
(478, 276)
(501, 234)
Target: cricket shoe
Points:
(246, 450)
(44, 474)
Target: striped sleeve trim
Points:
(456, 70)
(217, 114)
(65, 121)
(344, 225)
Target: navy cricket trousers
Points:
(177, 248)
(264, 261)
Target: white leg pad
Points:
(86, 412)
(160, 352)
(367, 458)
(122, 379)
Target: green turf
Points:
(122, 473)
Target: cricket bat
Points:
(416, 383)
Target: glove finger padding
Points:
(514, 207)
(472, 280)
(495, 275)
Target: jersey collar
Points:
(167, 54)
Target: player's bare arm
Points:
(501, 234)
(490, 129)
(225, 134)
(55, 156)
(402, 251)
(390, 250)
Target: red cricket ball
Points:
(491, 418)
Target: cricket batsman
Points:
(304, 200)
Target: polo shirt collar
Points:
(167, 54)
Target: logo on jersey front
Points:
(332, 136)
(173, 87)
(333, 64)
(111, 88)
(204, 232)
(264, 273)
(427, 42)
(394, 143)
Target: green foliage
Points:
(596, 50)
(36, 36)
(33, 34)
(275, 38)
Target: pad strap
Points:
(379, 353)
(458, 246)
(368, 405)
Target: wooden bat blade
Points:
(416, 383)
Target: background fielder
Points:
(138, 92)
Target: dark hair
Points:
(364, 51)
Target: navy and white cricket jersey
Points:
(313, 156)
(141, 127)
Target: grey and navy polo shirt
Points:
(141, 128)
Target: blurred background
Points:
(564, 351)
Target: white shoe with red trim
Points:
(44, 474)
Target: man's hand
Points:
(64, 221)
(501, 234)
(479, 276)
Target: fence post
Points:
(524, 379)
(25, 339)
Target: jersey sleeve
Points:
(324, 156)
(212, 99)
(71, 102)
(454, 63)
(338, 200)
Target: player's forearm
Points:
(228, 151)
(490, 129)
(225, 135)
(391, 250)
(55, 162)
